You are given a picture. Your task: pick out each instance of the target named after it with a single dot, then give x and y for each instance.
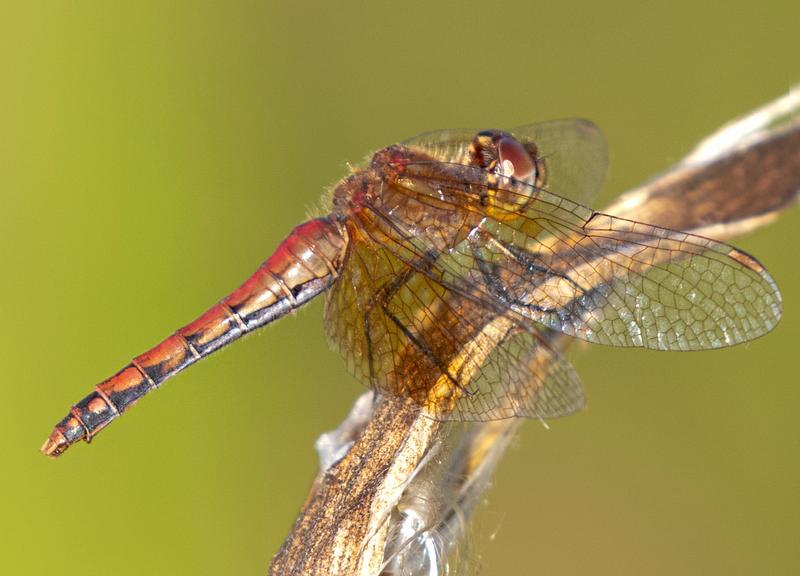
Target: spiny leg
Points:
(496, 286)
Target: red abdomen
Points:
(304, 265)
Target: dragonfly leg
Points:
(503, 291)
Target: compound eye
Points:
(515, 161)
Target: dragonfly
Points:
(445, 260)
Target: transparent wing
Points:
(605, 279)
(403, 333)
(522, 376)
(575, 152)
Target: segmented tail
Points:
(304, 265)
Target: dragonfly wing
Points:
(521, 376)
(575, 154)
(614, 281)
(404, 333)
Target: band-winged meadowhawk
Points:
(442, 259)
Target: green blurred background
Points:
(153, 154)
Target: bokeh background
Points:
(153, 154)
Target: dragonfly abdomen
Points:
(304, 264)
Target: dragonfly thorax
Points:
(411, 196)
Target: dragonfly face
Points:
(445, 260)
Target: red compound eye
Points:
(515, 160)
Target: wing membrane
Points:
(403, 332)
(609, 280)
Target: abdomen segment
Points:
(305, 264)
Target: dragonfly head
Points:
(515, 171)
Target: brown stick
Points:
(342, 527)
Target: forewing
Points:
(614, 281)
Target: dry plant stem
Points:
(724, 198)
(342, 527)
(734, 186)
